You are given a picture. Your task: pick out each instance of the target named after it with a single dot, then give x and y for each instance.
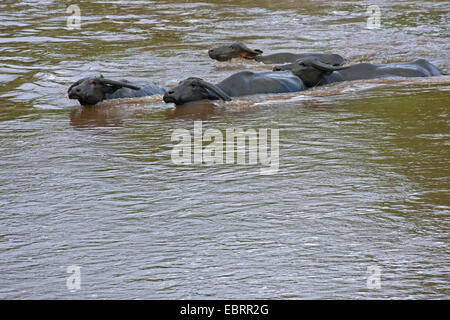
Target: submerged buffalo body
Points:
(240, 50)
(248, 83)
(286, 57)
(314, 72)
(239, 84)
(89, 91)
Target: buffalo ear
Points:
(326, 67)
(248, 53)
(215, 89)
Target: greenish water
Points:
(363, 174)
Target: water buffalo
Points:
(89, 91)
(314, 72)
(239, 84)
(240, 50)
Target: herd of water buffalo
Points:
(292, 73)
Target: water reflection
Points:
(83, 117)
(195, 111)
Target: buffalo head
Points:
(89, 91)
(194, 89)
(234, 50)
(310, 69)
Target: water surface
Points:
(364, 166)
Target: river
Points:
(357, 209)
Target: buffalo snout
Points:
(74, 93)
(168, 96)
(212, 54)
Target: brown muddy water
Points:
(363, 179)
